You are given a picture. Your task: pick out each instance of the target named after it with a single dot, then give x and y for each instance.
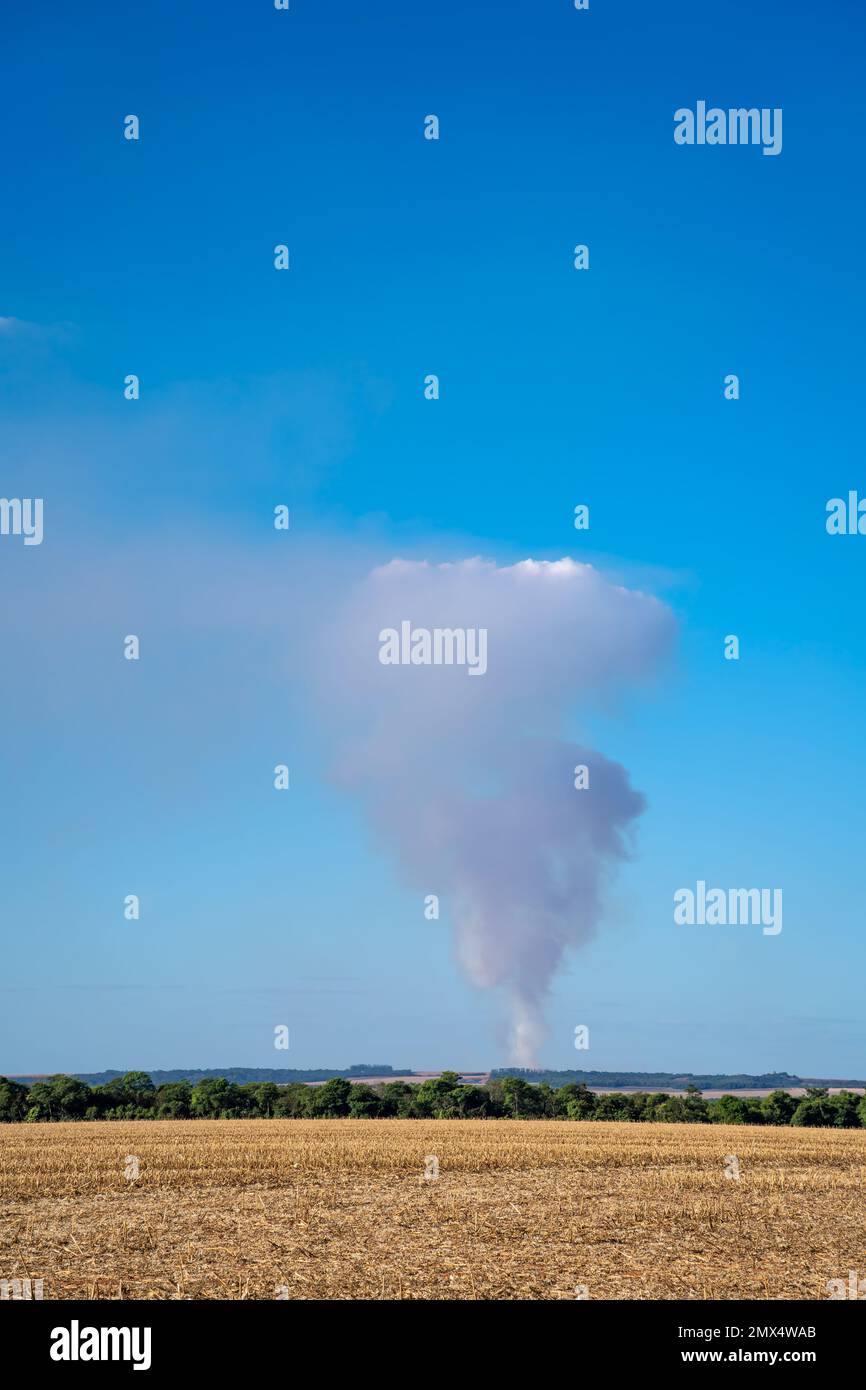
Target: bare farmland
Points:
(341, 1209)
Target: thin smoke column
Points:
(468, 780)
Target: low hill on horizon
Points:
(606, 1080)
(668, 1080)
(281, 1076)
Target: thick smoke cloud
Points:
(469, 780)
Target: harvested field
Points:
(340, 1209)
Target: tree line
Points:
(134, 1096)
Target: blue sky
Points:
(557, 387)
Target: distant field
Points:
(339, 1209)
(760, 1092)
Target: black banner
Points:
(154, 1338)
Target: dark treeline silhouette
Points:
(134, 1096)
(241, 1075)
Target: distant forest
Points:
(281, 1076)
(653, 1080)
(643, 1080)
(134, 1096)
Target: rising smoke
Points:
(470, 782)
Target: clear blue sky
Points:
(408, 257)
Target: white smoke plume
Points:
(469, 780)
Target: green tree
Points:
(293, 1101)
(612, 1105)
(215, 1098)
(545, 1101)
(778, 1107)
(135, 1085)
(736, 1110)
(398, 1098)
(696, 1108)
(637, 1104)
(673, 1110)
(60, 1098)
(331, 1100)
(13, 1100)
(172, 1101)
(519, 1101)
(437, 1096)
(495, 1104)
(580, 1102)
(815, 1112)
(561, 1096)
(653, 1102)
(364, 1102)
(845, 1105)
(265, 1095)
(472, 1102)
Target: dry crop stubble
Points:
(233, 1209)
